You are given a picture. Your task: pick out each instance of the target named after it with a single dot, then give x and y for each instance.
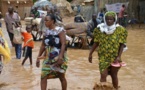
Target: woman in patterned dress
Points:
(110, 38)
(54, 45)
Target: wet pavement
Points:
(81, 75)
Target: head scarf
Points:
(108, 29)
(110, 13)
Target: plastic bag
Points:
(17, 39)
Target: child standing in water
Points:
(28, 44)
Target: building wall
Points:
(23, 8)
(0, 5)
(87, 10)
(101, 3)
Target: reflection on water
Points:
(80, 75)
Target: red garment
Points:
(27, 36)
(121, 13)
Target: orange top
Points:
(27, 36)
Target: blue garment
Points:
(100, 16)
(98, 21)
(18, 50)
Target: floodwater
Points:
(81, 75)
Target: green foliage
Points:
(34, 1)
(69, 0)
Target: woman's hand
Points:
(90, 58)
(95, 45)
(117, 59)
(37, 63)
(59, 62)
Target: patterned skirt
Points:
(49, 72)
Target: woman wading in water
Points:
(55, 60)
(110, 38)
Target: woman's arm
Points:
(63, 43)
(118, 58)
(120, 49)
(41, 50)
(95, 45)
(62, 49)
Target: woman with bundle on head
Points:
(55, 60)
(110, 38)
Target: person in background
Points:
(17, 40)
(10, 18)
(16, 11)
(28, 44)
(42, 26)
(110, 38)
(121, 15)
(104, 10)
(125, 19)
(92, 24)
(54, 44)
(100, 16)
(36, 12)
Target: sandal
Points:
(121, 64)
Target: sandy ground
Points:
(81, 75)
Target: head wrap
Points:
(108, 29)
(111, 13)
(104, 28)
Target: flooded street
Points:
(81, 75)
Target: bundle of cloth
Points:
(4, 51)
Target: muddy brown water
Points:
(81, 75)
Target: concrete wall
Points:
(87, 10)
